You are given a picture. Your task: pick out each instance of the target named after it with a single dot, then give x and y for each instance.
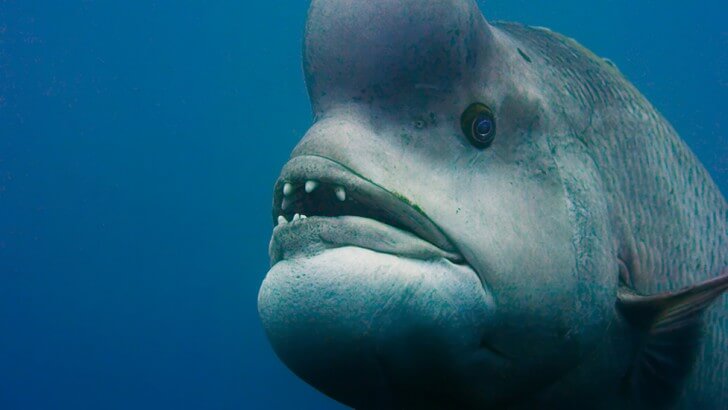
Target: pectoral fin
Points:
(670, 327)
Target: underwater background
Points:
(139, 143)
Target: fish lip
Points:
(316, 234)
(366, 192)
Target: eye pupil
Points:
(478, 124)
(483, 127)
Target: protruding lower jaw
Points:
(374, 330)
(367, 300)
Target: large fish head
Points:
(443, 259)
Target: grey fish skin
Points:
(592, 238)
(667, 214)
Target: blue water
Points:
(139, 142)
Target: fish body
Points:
(490, 216)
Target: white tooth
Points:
(311, 185)
(282, 220)
(341, 194)
(287, 189)
(296, 217)
(303, 217)
(285, 203)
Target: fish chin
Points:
(375, 330)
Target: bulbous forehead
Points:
(359, 49)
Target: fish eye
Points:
(478, 124)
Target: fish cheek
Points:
(536, 294)
(549, 271)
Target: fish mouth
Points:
(319, 200)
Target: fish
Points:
(487, 215)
